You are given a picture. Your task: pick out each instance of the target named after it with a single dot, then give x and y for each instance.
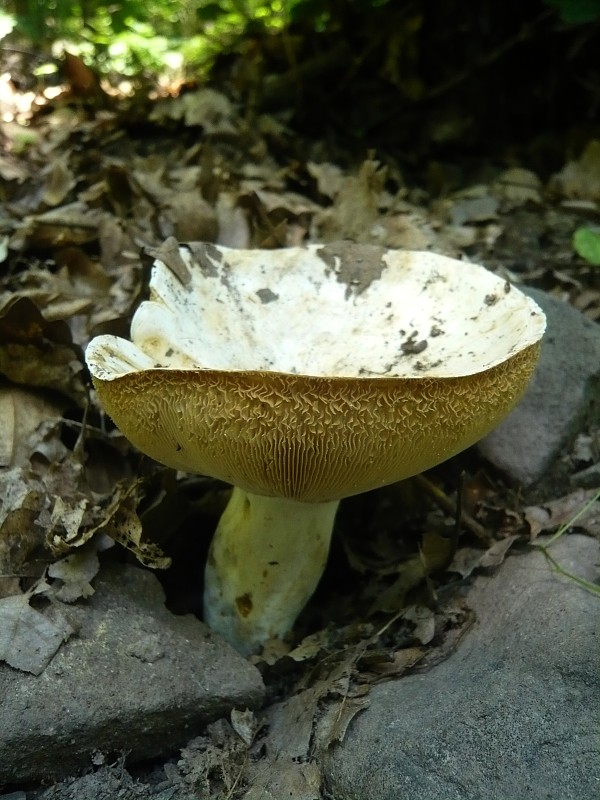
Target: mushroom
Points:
(303, 376)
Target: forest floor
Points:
(88, 195)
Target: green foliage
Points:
(586, 243)
(132, 35)
(576, 12)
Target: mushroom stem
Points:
(264, 563)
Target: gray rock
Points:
(514, 712)
(563, 396)
(135, 678)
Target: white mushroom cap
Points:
(316, 373)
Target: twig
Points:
(449, 506)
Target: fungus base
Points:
(265, 561)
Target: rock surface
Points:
(563, 395)
(135, 678)
(514, 712)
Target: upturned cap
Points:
(316, 373)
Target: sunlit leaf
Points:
(586, 242)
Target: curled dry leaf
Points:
(58, 180)
(75, 573)
(245, 724)
(580, 179)
(355, 209)
(423, 620)
(385, 665)
(188, 217)
(468, 559)
(272, 780)
(22, 495)
(212, 764)
(73, 224)
(206, 108)
(22, 412)
(517, 187)
(36, 352)
(563, 511)
(75, 522)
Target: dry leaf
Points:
(468, 559)
(559, 512)
(423, 620)
(245, 724)
(29, 639)
(234, 230)
(21, 413)
(73, 224)
(393, 665)
(22, 497)
(75, 573)
(206, 108)
(496, 553)
(580, 179)
(517, 186)
(76, 521)
(188, 217)
(355, 210)
(36, 352)
(330, 178)
(58, 181)
(473, 209)
(282, 778)
(333, 724)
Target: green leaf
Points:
(586, 243)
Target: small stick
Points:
(449, 506)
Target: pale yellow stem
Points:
(265, 561)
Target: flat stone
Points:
(563, 396)
(134, 679)
(514, 712)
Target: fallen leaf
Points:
(22, 497)
(468, 559)
(386, 665)
(473, 207)
(188, 217)
(423, 620)
(516, 187)
(206, 108)
(563, 511)
(74, 521)
(274, 780)
(580, 179)
(29, 639)
(58, 180)
(496, 553)
(76, 571)
(334, 722)
(245, 724)
(21, 413)
(330, 178)
(36, 352)
(355, 209)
